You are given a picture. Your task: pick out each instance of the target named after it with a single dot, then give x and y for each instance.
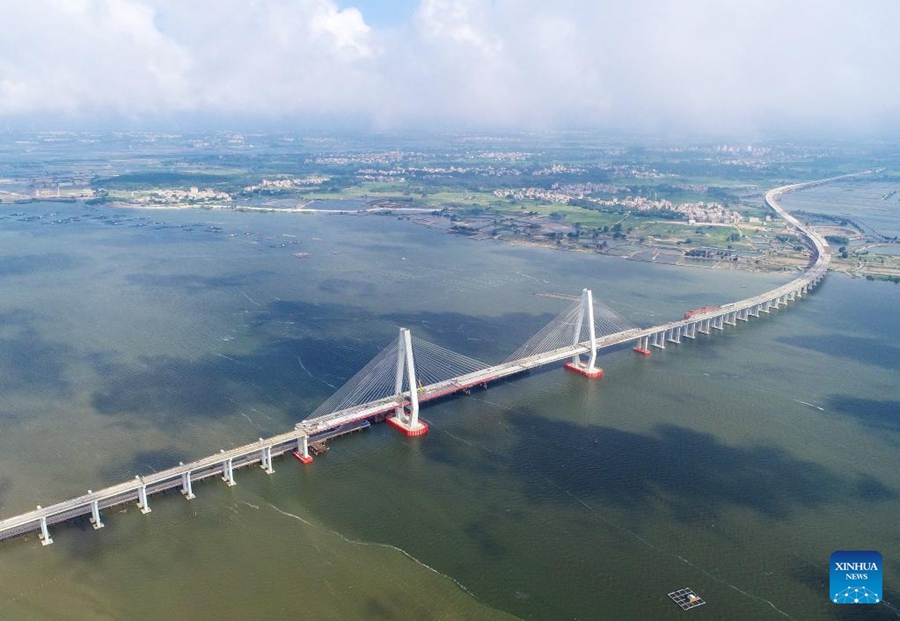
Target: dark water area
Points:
(734, 465)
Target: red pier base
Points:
(421, 430)
(589, 374)
(642, 351)
(300, 457)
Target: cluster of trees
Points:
(462, 229)
(709, 253)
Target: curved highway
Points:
(742, 310)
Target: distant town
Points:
(698, 206)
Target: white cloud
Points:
(459, 22)
(87, 56)
(700, 64)
(348, 30)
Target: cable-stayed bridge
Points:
(411, 371)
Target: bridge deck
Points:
(247, 454)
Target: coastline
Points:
(634, 250)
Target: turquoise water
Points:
(733, 465)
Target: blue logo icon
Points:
(855, 577)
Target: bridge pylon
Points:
(405, 420)
(586, 314)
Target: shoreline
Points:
(789, 264)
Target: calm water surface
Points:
(874, 205)
(131, 340)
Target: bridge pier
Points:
(730, 319)
(690, 331)
(143, 505)
(45, 538)
(764, 307)
(675, 335)
(186, 487)
(302, 450)
(705, 322)
(95, 514)
(642, 346)
(589, 370)
(717, 323)
(659, 343)
(751, 313)
(408, 424)
(265, 459)
(228, 472)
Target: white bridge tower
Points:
(406, 421)
(586, 314)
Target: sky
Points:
(726, 66)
